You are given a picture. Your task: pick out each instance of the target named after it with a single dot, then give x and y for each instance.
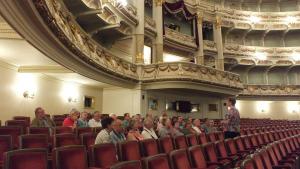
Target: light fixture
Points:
(260, 55)
(293, 107)
(263, 106)
(295, 56)
(122, 2)
(72, 100)
(290, 19)
(69, 92)
(26, 85)
(28, 94)
(254, 19)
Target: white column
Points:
(158, 17)
(138, 41)
(199, 55)
(217, 30)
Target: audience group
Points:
(117, 129)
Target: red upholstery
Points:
(248, 164)
(13, 131)
(197, 158)
(82, 130)
(70, 157)
(128, 165)
(34, 141)
(97, 129)
(27, 119)
(253, 141)
(220, 145)
(159, 161)
(212, 137)
(240, 144)
(97, 159)
(129, 150)
(5, 145)
(38, 130)
(202, 138)
(149, 147)
(179, 159)
(165, 144)
(26, 158)
(233, 149)
(87, 139)
(180, 142)
(65, 139)
(258, 162)
(21, 123)
(192, 139)
(260, 139)
(212, 155)
(60, 130)
(266, 138)
(220, 135)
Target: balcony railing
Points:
(180, 38)
(271, 90)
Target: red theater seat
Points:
(159, 161)
(38, 130)
(20, 123)
(220, 135)
(180, 142)
(165, 144)
(192, 139)
(179, 159)
(213, 157)
(70, 157)
(5, 145)
(149, 147)
(83, 130)
(87, 139)
(197, 159)
(202, 138)
(65, 139)
(233, 149)
(14, 132)
(97, 157)
(248, 164)
(27, 119)
(128, 165)
(221, 148)
(34, 141)
(129, 150)
(26, 159)
(61, 130)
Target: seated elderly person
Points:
(96, 120)
(197, 126)
(148, 131)
(113, 116)
(134, 132)
(104, 135)
(71, 120)
(167, 129)
(41, 120)
(117, 134)
(83, 120)
(188, 129)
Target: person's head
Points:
(176, 125)
(117, 126)
(126, 116)
(231, 101)
(97, 116)
(180, 119)
(39, 112)
(197, 122)
(188, 125)
(84, 115)
(149, 115)
(148, 123)
(206, 121)
(211, 123)
(113, 116)
(107, 123)
(190, 120)
(74, 114)
(134, 125)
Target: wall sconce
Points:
(72, 100)
(28, 95)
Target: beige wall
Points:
(49, 94)
(269, 109)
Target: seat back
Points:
(211, 137)
(266, 138)
(165, 144)
(27, 119)
(82, 130)
(179, 159)
(253, 140)
(197, 157)
(6, 145)
(192, 139)
(70, 157)
(258, 162)
(26, 158)
(209, 149)
(202, 138)
(129, 150)
(87, 139)
(260, 139)
(248, 164)
(239, 143)
(97, 159)
(61, 130)
(221, 148)
(38, 130)
(65, 139)
(272, 155)
(33, 141)
(247, 142)
(220, 135)
(159, 161)
(266, 159)
(231, 146)
(180, 142)
(21, 123)
(127, 165)
(149, 147)
(13, 131)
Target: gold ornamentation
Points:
(218, 22)
(139, 58)
(159, 2)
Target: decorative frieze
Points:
(271, 90)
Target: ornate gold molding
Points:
(271, 90)
(139, 58)
(159, 2)
(218, 22)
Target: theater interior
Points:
(76, 73)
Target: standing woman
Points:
(232, 120)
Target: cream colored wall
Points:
(271, 109)
(48, 94)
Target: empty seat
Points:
(60, 130)
(211, 137)
(248, 164)
(197, 159)
(202, 138)
(5, 145)
(149, 147)
(82, 130)
(20, 123)
(213, 157)
(87, 139)
(27, 119)
(65, 139)
(192, 139)
(13, 131)
(258, 161)
(128, 165)
(220, 135)
(221, 148)
(179, 159)
(240, 145)
(165, 144)
(180, 142)
(129, 150)
(233, 148)
(97, 159)
(159, 161)
(34, 141)
(70, 157)
(38, 130)
(26, 158)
